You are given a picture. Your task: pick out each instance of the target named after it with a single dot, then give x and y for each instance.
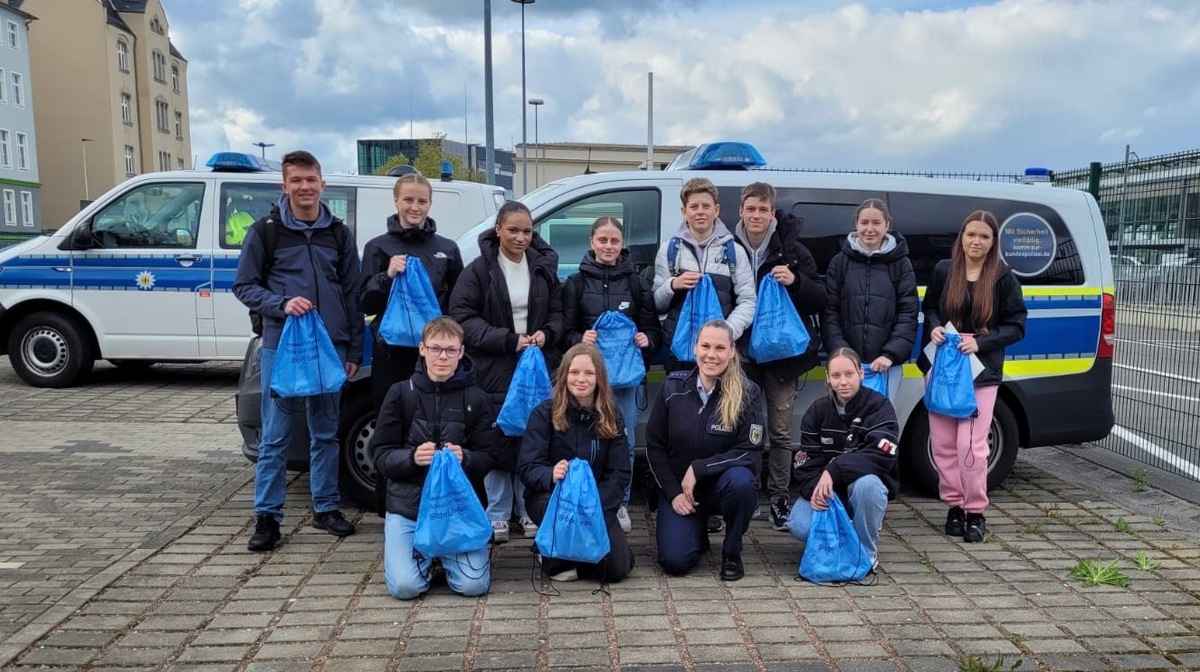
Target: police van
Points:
(144, 273)
(1057, 383)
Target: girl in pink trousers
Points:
(977, 293)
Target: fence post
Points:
(1094, 171)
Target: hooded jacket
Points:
(782, 247)
(309, 262)
(597, 288)
(481, 304)
(846, 444)
(543, 446)
(439, 255)
(735, 291)
(455, 411)
(1006, 327)
(684, 432)
(872, 300)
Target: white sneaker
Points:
(499, 531)
(530, 528)
(569, 575)
(623, 518)
(757, 513)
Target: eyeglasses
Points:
(438, 351)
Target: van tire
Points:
(916, 456)
(356, 478)
(49, 349)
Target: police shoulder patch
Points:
(756, 434)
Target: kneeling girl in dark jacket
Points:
(580, 420)
(439, 407)
(847, 449)
(703, 440)
(980, 296)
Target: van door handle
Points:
(188, 258)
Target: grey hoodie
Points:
(757, 256)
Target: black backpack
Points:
(267, 230)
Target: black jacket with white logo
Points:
(847, 443)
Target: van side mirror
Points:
(81, 238)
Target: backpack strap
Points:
(673, 255)
(267, 230)
(730, 257)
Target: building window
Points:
(27, 208)
(127, 108)
(162, 114)
(130, 169)
(22, 151)
(122, 56)
(5, 155)
(164, 160)
(156, 25)
(18, 89)
(160, 66)
(175, 78)
(3, 89)
(179, 125)
(14, 35)
(181, 166)
(10, 206)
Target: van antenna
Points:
(588, 169)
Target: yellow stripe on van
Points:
(1073, 292)
(1013, 368)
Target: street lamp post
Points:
(87, 194)
(524, 116)
(263, 146)
(537, 144)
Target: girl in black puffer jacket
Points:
(872, 295)
(608, 281)
(499, 323)
(581, 420)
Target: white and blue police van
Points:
(144, 273)
(1057, 382)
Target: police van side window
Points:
(568, 229)
(151, 216)
(825, 215)
(1037, 242)
(244, 203)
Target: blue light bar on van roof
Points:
(239, 162)
(719, 156)
(1036, 175)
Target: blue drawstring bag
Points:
(777, 332)
(530, 386)
(875, 380)
(306, 363)
(450, 519)
(411, 305)
(833, 553)
(573, 528)
(701, 305)
(951, 389)
(614, 339)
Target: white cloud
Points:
(988, 86)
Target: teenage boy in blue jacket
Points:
(296, 259)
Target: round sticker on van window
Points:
(1027, 244)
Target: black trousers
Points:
(389, 365)
(682, 539)
(613, 568)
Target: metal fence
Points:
(1151, 210)
(13, 237)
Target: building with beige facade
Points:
(110, 99)
(551, 161)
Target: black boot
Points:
(976, 528)
(266, 533)
(955, 522)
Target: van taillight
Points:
(1108, 327)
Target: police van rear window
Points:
(243, 203)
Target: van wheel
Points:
(50, 350)
(357, 477)
(916, 456)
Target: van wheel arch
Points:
(49, 344)
(356, 427)
(916, 457)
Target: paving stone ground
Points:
(122, 547)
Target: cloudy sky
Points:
(895, 84)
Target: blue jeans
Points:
(407, 576)
(278, 417)
(627, 401)
(868, 501)
(504, 488)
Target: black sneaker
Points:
(976, 528)
(715, 524)
(266, 533)
(778, 514)
(731, 567)
(955, 522)
(334, 523)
